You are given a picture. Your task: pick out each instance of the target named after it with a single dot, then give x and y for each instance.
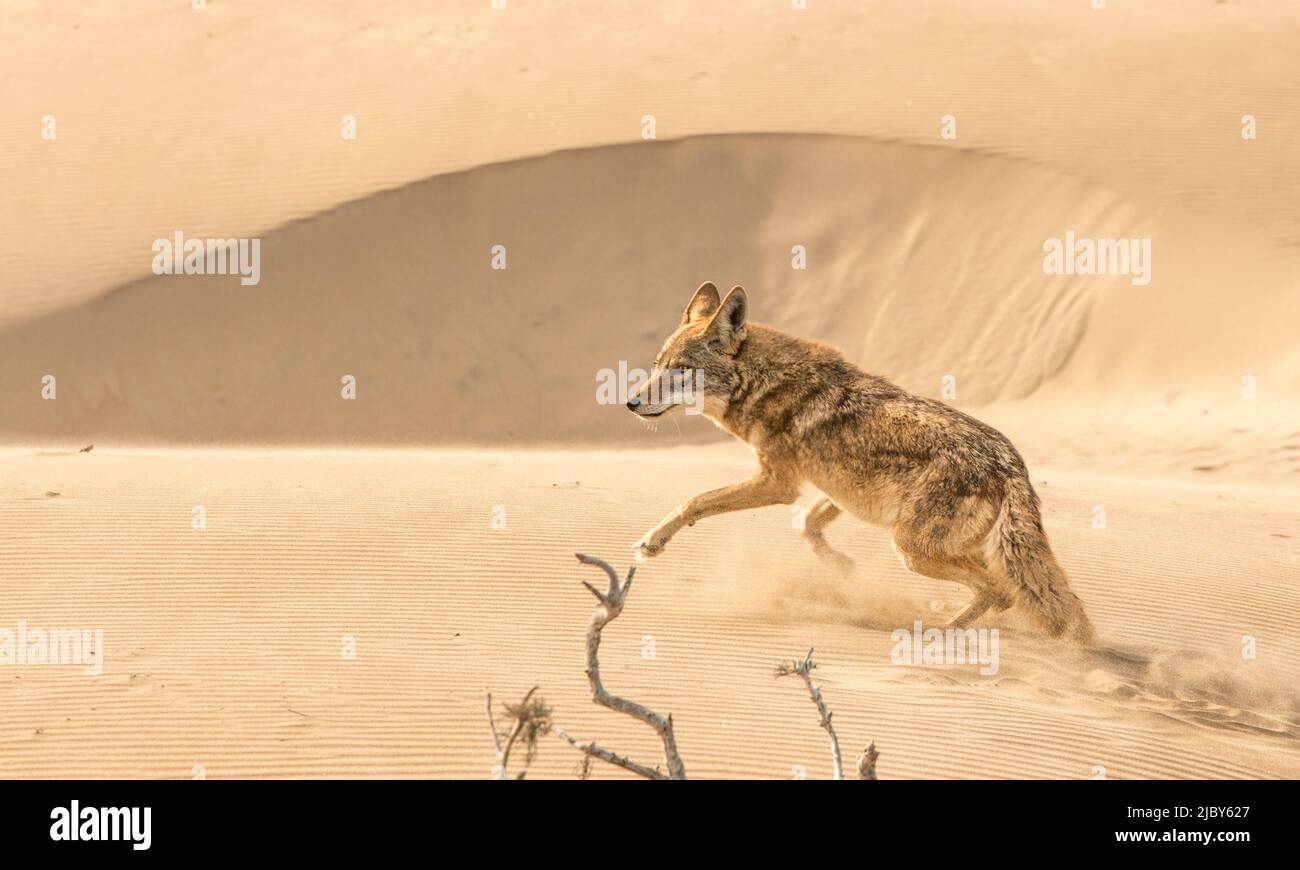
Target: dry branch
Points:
(611, 605)
(804, 669)
(532, 717)
(867, 762)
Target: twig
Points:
(591, 750)
(492, 723)
(804, 669)
(611, 605)
(867, 762)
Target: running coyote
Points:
(953, 491)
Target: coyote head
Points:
(694, 368)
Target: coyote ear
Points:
(702, 304)
(728, 324)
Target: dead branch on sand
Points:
(611, 605)
(532, 717)
(804, 669)
(867, 762)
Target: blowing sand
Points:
(1171, 406)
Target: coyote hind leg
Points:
(918, 559)
(973, 611)
(820, 514)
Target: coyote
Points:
(953, 491)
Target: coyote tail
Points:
(1037, 579)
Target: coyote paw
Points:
(832, 558)
(841, 564)
(651, 545)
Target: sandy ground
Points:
(1173, 405)
(224, 645)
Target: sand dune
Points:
(398, 290)
(602, 245)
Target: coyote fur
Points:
(953, 491)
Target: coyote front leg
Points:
(760, 490)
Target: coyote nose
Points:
(633, 403)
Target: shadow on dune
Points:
(603, 247)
